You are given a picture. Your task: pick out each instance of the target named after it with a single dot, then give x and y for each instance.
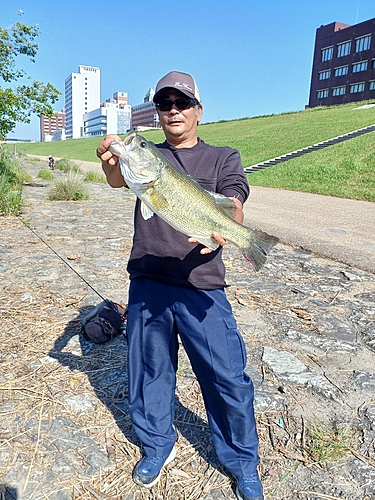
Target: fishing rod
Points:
(59, 256)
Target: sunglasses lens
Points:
(165, 105)
(181, 104)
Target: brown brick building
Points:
(344, 64)
(145, 114)
(50, 124)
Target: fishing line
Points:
(59, 256)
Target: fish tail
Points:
(259, 247)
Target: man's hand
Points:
(215, 236)
(104, 154)
(110, 162)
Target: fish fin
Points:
(259, 247)
(146, 211)
(158, 201)
(225, 203)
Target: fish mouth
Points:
(129, 139)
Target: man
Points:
(177, 288)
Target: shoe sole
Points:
(170, 458)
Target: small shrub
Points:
(94, 176)
(11, 179)
(24, 176)
(10, 198)
(66, 166)
(68, 188)
(328, 442)
(45, 174)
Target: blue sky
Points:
(248, 57)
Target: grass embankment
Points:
(345, 170)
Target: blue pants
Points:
(158, 312)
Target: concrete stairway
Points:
(309, 149)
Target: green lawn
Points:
(345, 170)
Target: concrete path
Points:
(340, 229)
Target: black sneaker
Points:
(147, 472)
(249, 488)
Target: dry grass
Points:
(45, 364)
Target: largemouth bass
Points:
(181, 202)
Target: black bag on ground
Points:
(104, 322)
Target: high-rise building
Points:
(124, 113)
(145, 114)
(82, 95)
(49, 125)
(344, 64)
(112, 117)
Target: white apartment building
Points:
(57, 135)
(82, 95)
(113, 117)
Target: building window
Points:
(338, 90)
(363, 43)
(357, 87)
(322, 94)
(342, 70)
(360, 66)
(343, 49)
(327, 54)
(323, 75)
(373, 64)
(372, 85)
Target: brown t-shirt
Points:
(160, 252)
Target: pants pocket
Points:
(235, 344)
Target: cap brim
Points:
(162, 91)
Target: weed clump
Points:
(67, 166)
(45, 175)
(94, 176)
(328, 442)
(69, 188)
(11, 179)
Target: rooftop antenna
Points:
(356, 17)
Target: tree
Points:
(17, 104)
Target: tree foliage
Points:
(18, 103)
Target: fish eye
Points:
(143, 144)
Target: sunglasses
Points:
(181, 103)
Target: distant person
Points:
(177, 288)
(51, 162)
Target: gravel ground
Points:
(309, 327)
